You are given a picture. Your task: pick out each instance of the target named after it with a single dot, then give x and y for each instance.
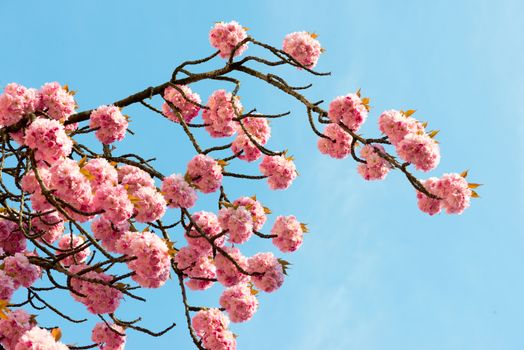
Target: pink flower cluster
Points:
(50, 226)
(289, 233)
(211, 325)
(338, 143)
(204, 173)
(69, 246)
(12, 239)
(270, 275)
(376, 167)
(56, 101)
(259, 130)
(21, 270)
(226, 36)
(258, 212)
(349, 110)
(39, 339)
(420, 150)
(197, 265)
(109, 338)
(452, 190)
(239, 302)
(303, 47)
(108, 232)
(280, 170)
(99, 298)
(410, 139)
(110, 122)
(226, 272)
(13, 327)
(47, 137)
(396, 125)
(222, 109)
(100, 172)
(16, 102)
(238, 222)
(188, 110)
(152, 263)
(208, 224)
(177, 192)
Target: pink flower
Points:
(177, 192)
(7, 287)
(48, 139)
(204, 173)
(108, 232)
(99, 298)
(12, 239)
(50, 226)
(239, 303)
(18, 136)
(38, 339)
(280, 170)
(227, 273)
(258, 212)
(222, 108)
(303, 47)
(259, 130)
(420, 150)
(12, 327)
(23, 272)
(268, 265)
(111, 123)
(15, 103)
(73, 187)
(150, 205)
(226, 36)
(238, 222)
(29, 182)
(201, 273)
(211, 325)
(289, 233)
(209, 321)
(115, 202)
(209, 226)
(100, 172)
(339, 143)
(187, 109)
(134, 178)
(427, 204)
(67, 244)
(152, 264)
(109, 338)
(455, 193)
(376, 167)
(349, 110)
(396, 125)
(56, 101)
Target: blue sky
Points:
(374, 273)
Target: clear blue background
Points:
(374, 273)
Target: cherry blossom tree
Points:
(73, 217)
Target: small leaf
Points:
(358, 92)
(313, 35)
(285, 265)
(304, 227)
(433, 133)
(464, 174)
(291, 158)
(3, 309)
(365, 100)
(222, 163)
(128, 118)
(134, 199)
(56, 333)
(66, 87)
(87, 174)
(472, 185)
(267, 210)
(226, 204)
(245, 28)
(322, 50)
(82, 161)
(254, 197)
(409, 112)
(425, 124)
(474, 194)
